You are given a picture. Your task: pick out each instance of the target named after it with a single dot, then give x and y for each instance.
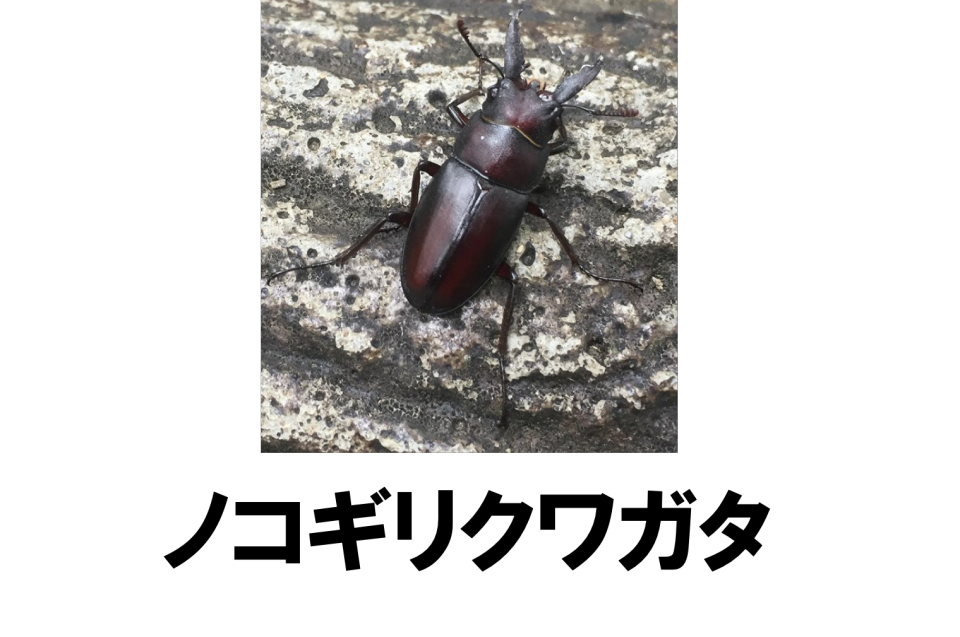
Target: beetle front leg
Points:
(537, 211)
(561, 144)
(453, 108)
(505, 272)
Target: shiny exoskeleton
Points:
(462, 225)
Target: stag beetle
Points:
(462, 225)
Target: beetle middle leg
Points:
(537, 211)
(402, 219)
(504, 271)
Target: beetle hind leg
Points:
(537, 211)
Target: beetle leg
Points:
(402, 219)
(427, 167)
(423, 167)
(504, 271)
(453, 108)
(537, 211)
(561, 144)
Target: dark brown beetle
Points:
(462, 226)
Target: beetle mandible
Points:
(462, 225)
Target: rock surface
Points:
(353, 96)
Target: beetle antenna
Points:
(465, 33)
(609, 112)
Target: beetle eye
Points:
(544, 97)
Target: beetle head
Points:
(531, 108)
(526, 105)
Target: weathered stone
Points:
(353, 96)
